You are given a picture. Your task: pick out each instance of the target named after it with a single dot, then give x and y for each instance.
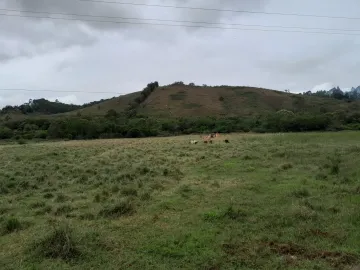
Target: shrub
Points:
(5, 133)
(41, 134)
(21, 141)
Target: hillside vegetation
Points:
(119, 104)
(183, 109)
(270, 201)
(180, 100)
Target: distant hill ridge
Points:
(190, 100)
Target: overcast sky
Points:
(88, 56)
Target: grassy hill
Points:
(185, 109)
(188, 101)
(118, 104)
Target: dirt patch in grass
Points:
(334, 258)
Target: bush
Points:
(5, 133)
(41, 134)
(21, 141)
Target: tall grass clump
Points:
(122, 208)
(11, 225)
(58, 244)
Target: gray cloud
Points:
(78, 7)
(37, 35)
(43, 35)
(216, 16)
(319, 58)
(88, 56)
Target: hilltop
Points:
(180, 100)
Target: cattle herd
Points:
(208, 139)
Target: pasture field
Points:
(272, 201)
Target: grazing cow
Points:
(226, 141)
(193, 142)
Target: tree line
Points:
(120, 126)
(335, 93)
(44, 106)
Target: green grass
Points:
(274, 201)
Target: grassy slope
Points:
(286, 201)
(237, 101)
(178, 101)
(118, 104)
